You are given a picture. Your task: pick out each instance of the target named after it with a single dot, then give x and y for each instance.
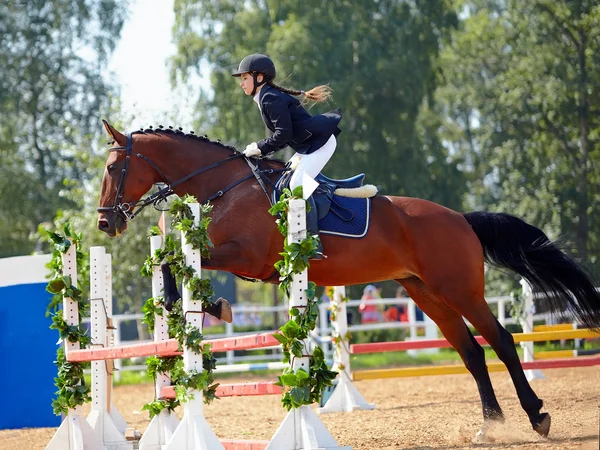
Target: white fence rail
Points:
(246, 314)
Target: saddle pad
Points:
(348, 217)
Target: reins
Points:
(128, 211)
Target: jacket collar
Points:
(264, 89)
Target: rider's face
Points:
(247, 83)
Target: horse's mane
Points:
(178, 131)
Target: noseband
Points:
(128, 211)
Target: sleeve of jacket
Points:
(277, 109)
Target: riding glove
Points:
(252, 150)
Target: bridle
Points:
(128, 211)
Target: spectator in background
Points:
(397, 313)
(327, 301)
(368, 310)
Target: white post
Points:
(74, 432)
(412, 320)
(99, 418)
(114, 335)
(527, 323)
(116, 341)
(229, 355)
(301, 429)
(193, 432)
(501, 312)
(345, 396)
(324, 329)
(161, 427)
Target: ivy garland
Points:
(72, 388)
(299, 388)
(186, 334)
(336, 338)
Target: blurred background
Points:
(478, 105)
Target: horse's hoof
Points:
(480, 437)
(543, 426)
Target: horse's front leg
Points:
(237, 258)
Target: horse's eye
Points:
(111, 167)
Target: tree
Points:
(52, 56)
(378, 57)
(519, 92)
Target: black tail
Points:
(512, 243)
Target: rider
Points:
(312, 137)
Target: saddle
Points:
(323, 201)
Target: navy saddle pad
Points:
(348, 217)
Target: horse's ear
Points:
(119, 137)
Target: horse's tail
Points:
(512, 243)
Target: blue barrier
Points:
(27, 345)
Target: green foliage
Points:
(380, 59)
(300, 388)
(52, 92)
(186, 334)
(72, 388)
(386, 335)
(518, 92)
(72, 391)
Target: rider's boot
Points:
(312, 227)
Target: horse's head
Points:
(127, 177)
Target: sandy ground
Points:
(441, 412)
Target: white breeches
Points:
(313, 163)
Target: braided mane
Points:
(191, 135)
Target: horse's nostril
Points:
(103, 224)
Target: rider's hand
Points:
(251, 150)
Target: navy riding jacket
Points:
(290, 124)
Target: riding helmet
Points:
(256, 63)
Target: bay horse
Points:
(437, 254)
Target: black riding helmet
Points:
(256, 64)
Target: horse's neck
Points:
(188, 159)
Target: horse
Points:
(436, 253)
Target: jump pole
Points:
(345, 396)
(74, 433)
(301, 429)
(162, 426)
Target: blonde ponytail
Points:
(321, 93)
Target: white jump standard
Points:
(301, 429)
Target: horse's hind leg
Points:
(458, 334)
(503, 344)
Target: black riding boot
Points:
(312, 227)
